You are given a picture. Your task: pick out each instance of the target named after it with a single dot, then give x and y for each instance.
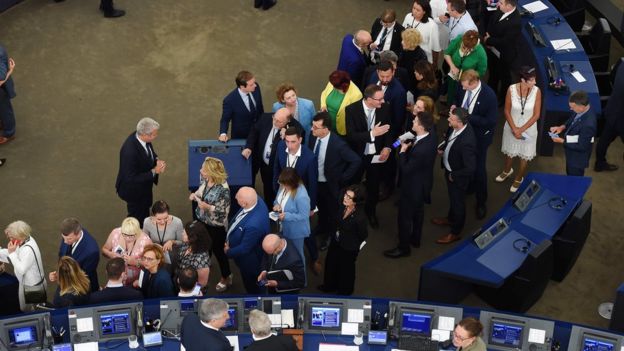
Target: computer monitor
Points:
(506, 333)
(510, 332)
(115, 324)
(416, 322)
(586, 339)
(103, 323)
(23, 332)
(592, 342)
(421, 319)
(188, 307)
(324, 317)
(327, 315)
(232, 323)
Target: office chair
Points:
(570, 239)
(575, 18)
(605, 81)
(597, 44)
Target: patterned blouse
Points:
(135, 251)
(217, 195)
(194, 260)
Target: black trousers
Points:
(340, 269)
(609, 133)
(457, 202)
(6, 114)
(327, 205)
(218, 234)
(390, 171)
(372, 172)
(139, 209)
(266, 173)
(106, 6)
(410, 221)
(481, 179)
(500, 73)
(574, 171)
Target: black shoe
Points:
(115, 13)
(396, 253)
(415, 245)
(271, 4)
(608, 167)
(481, 211)
(372, 220)
(325, 289)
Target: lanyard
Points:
(523, 102)
(456, 23)
(412, 25)
(160, 239)
(294, 162)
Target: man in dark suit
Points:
(459, 161)
(115, 290)
(416, 159)
(386, 33)
(501, 38)
(368, 127)
(614, 125)
(480, 102)
(79, 244)
(200, 332)
(280, 254)
(264, 340)
(400, 73)
(579, 131)
(7, 92)
(242, 106)
(292, 153)
(244, 237)
(262, 146)
(353, 58)
(106, 6)
(139, 168)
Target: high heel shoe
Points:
(221, 287)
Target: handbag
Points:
(35, 294)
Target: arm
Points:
(352, 161)
(481, 58)
(324, 94)
(202, 276)
(469, 158)
(277, 167)
(362, 227)
(298, 273)
(128, 162)
(487, 118)
(107, 249)
(22, 264)
(588, 131)
(226, 116)
(312, 182)
(6, 72)
(252, 236)
(509, 36)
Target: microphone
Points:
(405, 137)
(49, 340)
(139, 321)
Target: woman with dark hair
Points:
(339, 93)
(464, 52)
(523, 104)
(156, 280)
(74, 285)
(195, 251)
(426, 82)
(163, 228)
(346, 243)
(467, 335)
(300, 109)
(411, 54)
(420, 19)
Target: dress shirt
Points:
(239, 217)
(419, 137)
(75, 245)
(459, 26)
(266, 154)
(114, 285)
(388, 40)
(144, 144)
(279, 255)
(474, 95)
(506, 14)
(454, 136)
(246, 97)
(291, 160)
(208, 326)
(354, 44)
(383, 87)
(321, 156)
(256, 338)
(370, 121)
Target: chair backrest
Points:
(600, 37)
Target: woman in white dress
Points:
(420, 19)
(438, 10)
(522, 110)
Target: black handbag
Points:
(35, 294)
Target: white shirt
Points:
(114, 285)
(144, 144)
(419, 137)
(354, 44)
(473, 98)
(291, 160)
(454, 136)
(209, 326)
(246, 96)
(459, 26)
(321, 156)
(279, 255)
(438, 8)
(266, 153)
(506, 14)
(429, 33)
(75, 245)
(388, 40)
(370, 121)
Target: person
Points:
(127, 242)
(578, 134)
(163, 228)
(200, 332)
(425, 103)
(394, 95)
(106, 6)
(242, 107)
(426, 82)
(353, 58)
(459, 161)
(194, 252)
(387, 33)
(416, 159)
(400, 73)
(115, 291)
(261, 145)
(77, 243)
(614, 123)
(501, 38)
(480, 102)
(264, 4)
(522, 111)
(213, 206)
(264, 340)
(339, 93)
(7, 92)
(139, 169)
(281, 254)
(467, 335)
(411, 54)
(23, 253)
(458, 21)
(438, 13)
(293, 205)
(368, 126)
(73, 284)
(346, 244)
(298, 156)
(188, 283)
(464, 53)
(302, 110)
(244, 237)
(420, 19)
(156, 281)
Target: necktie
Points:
(382, 41)
(252, 106)
(70, 248)
(466, 104)
(317, 149)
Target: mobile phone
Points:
(262, 282)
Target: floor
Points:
(83, 82)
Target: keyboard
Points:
(417, 343)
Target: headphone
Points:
(554, 21)
(557, 203)
(524, 246)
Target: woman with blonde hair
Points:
(213, 205)
(23, 253)
(411, 54)
(127, 242)
(74, 285)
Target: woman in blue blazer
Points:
(293, 204)
(301, 109)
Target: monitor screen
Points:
(187, 306)
(251, 304)
(596, 343)
(322, 317)
(377, 337)
(506, 333)
(62, 347)
(415, 322)
(231, 323)
(23, 335)
(113, 324)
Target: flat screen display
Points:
(62, 347)
(231, 323)
(416, 323)
(505, 333)
(23, 335)
(377, 337)
(594, 343)
(115, 324)
(325, 317)
(187, 306)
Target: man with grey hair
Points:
(201, 332)
(139, 168)
(260, 326)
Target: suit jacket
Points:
(352, 60)
(306, 167)
(245, 240)
(578, 154)
(87, 254)
(157, 285)
(484, 114)
(274, 343)
(306, 112)
(462, 156)
(296, 223)
(396, 96)
(353, 229)
(8, 86)
(400, 73)
(122, 293)
(290, 260)
(135, 178)
(504, 36)
(615, 104)
(194, 336)
(341, 163)
(395, 45)
(358, 134)
(235, 110)
(258, 136)
(416, 165)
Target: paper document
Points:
(535, 6)
(578, 76)
(537, 336)
(563, 44)
(446, 323)
(141, 275)
(355, 315)
(86, 346)
(233, 339)
(525, 136)
(440, 335)
(84, 325)
(337, 347)
(571, 139)
(377, 160)
(288, 318)
(349, 328)
(276, 320)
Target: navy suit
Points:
(122, 293)
(396, 96)
(87, 254)
(395, 45)
(483, 121)
(235, 110)
(290, 260)
(352, 60)
(245, 242)
(578, 153)
(135, 178)
(306, 167)
(194, 336)
(7, 92)
(614, 118)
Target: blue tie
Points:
(466, 104)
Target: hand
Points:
(223, 138)
(323, 109)
(450, 178)
(557, 129)
(454, 70)
(378, 129)
(404, 146)
(558, 140)
(11, 247)
(11, 64)
(262, 275)
(203, 205)
(192, 196)
(226, 247)
(168, 245)
(282, 133)
(517, 133)
(53, 276)
(372, 46)
(486, 36)
(277, 208)
(160, 167)
(135, 284)
(246, 153)
(384, 154)
(131, 261)
(271, 283)
(443, 18)
(281, 216)
(311, 213)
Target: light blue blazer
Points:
(296, 223)
(306, 113)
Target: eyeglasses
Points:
(148, 259)
(458, 337)
(128, 235)
(349, 196)
(317, 128)
(380, 99)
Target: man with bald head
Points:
(353, 55)
(244, 237)
(261, 145)
(281, 255)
